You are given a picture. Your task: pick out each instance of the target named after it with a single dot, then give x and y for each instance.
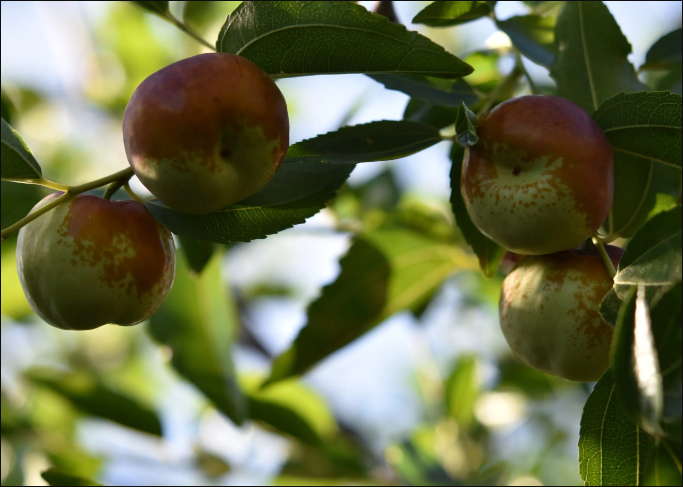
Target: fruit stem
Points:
(509, 82)
(69, 192)
(189, 31)
(605, 258)
(113, 188)
(131, 193)
(32, 216)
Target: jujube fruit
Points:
(549, 313)
(206, 132)
(540, 178)
(92, 261)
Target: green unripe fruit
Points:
(206, 132)
(92, 261)
(540, 178)
(549, 313)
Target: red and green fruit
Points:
(92, 261)
(206, 132)
(549, 313)
(540, 178)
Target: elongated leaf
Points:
(488, 252)
(653, 256)
(466, 127)
(306, 38)
(54, 476)
(533, 35)
(89, 395)
(666, 53)
(636, 365)
(591, 65)
(644, 130)
(446, 14)
(374, 141)
(433, 115)
(385, 271)
(17, 160)
(462, 390)
(297, 192)
(666, 326)
(198, 322)
(663, 466)
(612, 448)
(197, 252)
(442, 92)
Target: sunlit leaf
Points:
(17, 159)
(446, 14)
(54, 476)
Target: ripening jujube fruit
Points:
(206, 132)
(549, 313)
(540, 178)
(92, 261)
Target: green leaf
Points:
(159, 8)
(667, 317)
(297, 192)
(462, 390)
(533, 35)
(653, 256)
(665, 53)
(198, 322)
(644, 130)
(7, 107)
(197, 252)
(591, 65)
(636, 365)
(307, 38)
(663, 466)
(385, 271)
(17, 160)
(54, 476)
(446, 14)
(442, 92)
(433, 115)
(466, 126)
(88, 394)
(374, 141)
(488, 252)
(612, 448)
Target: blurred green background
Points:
(427, 397)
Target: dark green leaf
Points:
(653, 256)
(533, 35)
(488, 252)
(385, 271)
(17, 160)
(636, 366)
(198, 322)
(160, 8)
(92, 397)
(306, 38)
(644, 130)
(612, 448)
(297, 192)
(445, 14)
(7, 107)
(442, 92)
(666, 326)
(665, 53)
(591, 65)
(663, 466)
(433, 115)
(197, 252)
(374, 141)
(466, 126)
(282, 419)
(54, 476)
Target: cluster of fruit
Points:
(539, 182)
(200, 134)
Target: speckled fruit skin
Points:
(92, 261)
(549, 313)
(540, 179)
(206, 132)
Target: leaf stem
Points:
(40, 182)
(605, 257)
(69, 192)
(188, 30)
(532, 85)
